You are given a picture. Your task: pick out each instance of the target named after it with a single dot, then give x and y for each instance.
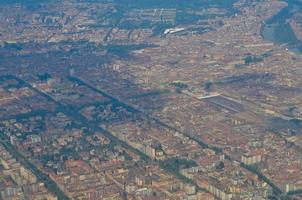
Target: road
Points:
(160, 122)
(48, 182)
(75, 115)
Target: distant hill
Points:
(177, 3)
(25, 2)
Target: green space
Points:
(49, 183)
(254, 169)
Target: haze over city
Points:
(150, 100)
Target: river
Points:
(278, 30)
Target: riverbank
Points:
(278, 30)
